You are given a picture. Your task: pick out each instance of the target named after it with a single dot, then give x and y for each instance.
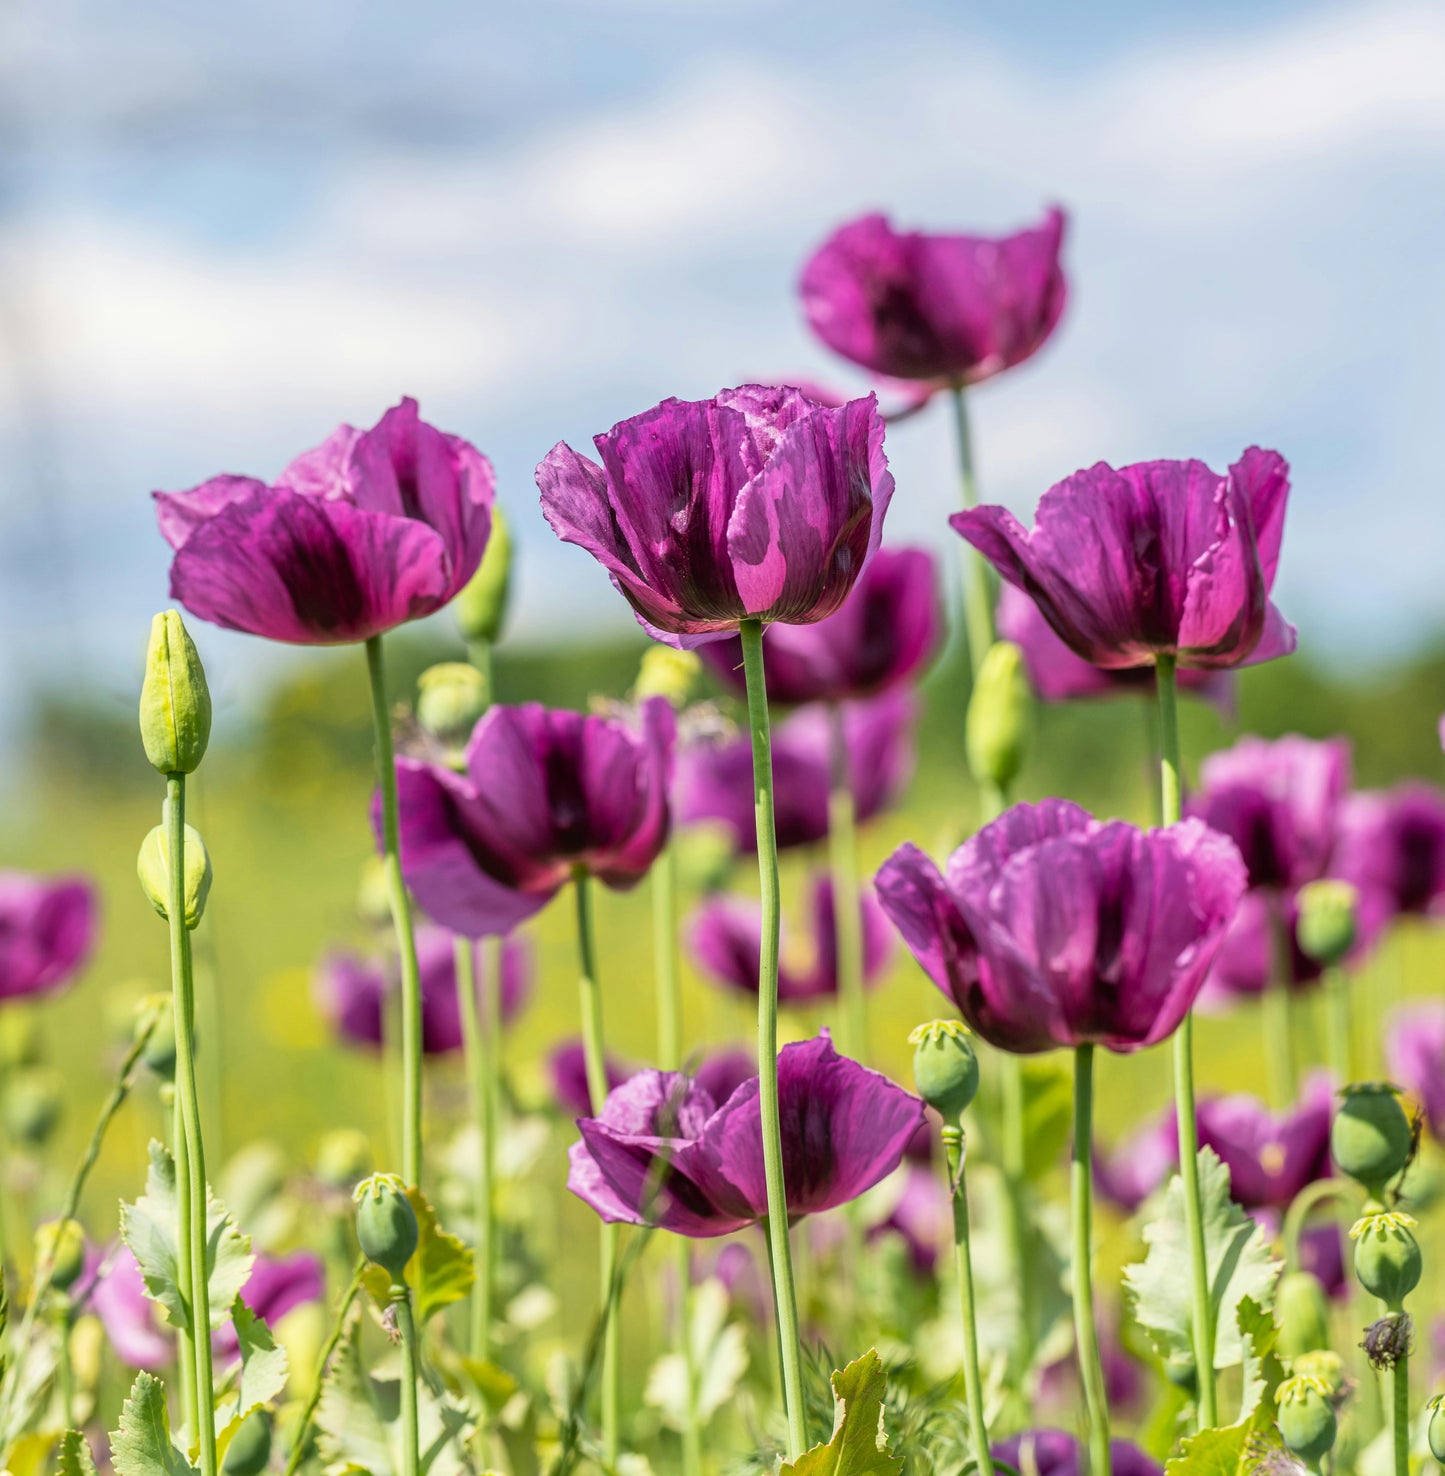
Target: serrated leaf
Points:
(148, 1227)
(29, 1383)
(73, 1457)
(1237, 1255)
(261, 1376)
(1263, 1372)
(859, 1445)
(1230, 1451)
(440, 1272)
(719, 1360)
(142, 1446)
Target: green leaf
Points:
(142, 1446)
(73, 1457)
(440, 1272)
(719, 1360)
(262, 1374)
(1230, 1451)
(859, 1446)
(1236, 1252)
(148, 1227)
(1263, 1372)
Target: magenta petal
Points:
(1415, 1052)
(179, 514)
(47, 931)
(912, 892)
(129, 1316)
(1270, 1157)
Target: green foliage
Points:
(719, 1355)
(73, 1457)
(262, 1374)
(143, 1446)
(440, 1272)
(1229, 1451)
(1263, 1371)
(859, 1444)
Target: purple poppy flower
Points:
(277, 1285)
(1057, 1453)
(887, 630)
(661, 1135)
(921, 1216)
(1055, 929)
(1415, 1053)
(957, 309)
(1392, 847)
(371, 529)
(715, 779)
(47, 931)
(721, 1073)
(1134, 1168)
(567, 1068)
(1270, 1156)
(352, 992)
(128, 1316)
(1247, 959)
(1159, 558)
(1057, 675)
(898, 398)
(757, 504)
(545, 793)
(726, 934)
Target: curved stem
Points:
(1171, 801)
(303, 1425)
(1299, 1209)
(411, 1114)
(1086, 1333)
(784, 1296)
(953, 1143)
(410, 1378)
(464, 952)
(843, 873)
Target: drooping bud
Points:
(1328, 922)
(667, 672)
(33, 1101)
(1307, 1418)
(945, 1067)
(1388, 1340)
(153, 868)
(386, 1227)
(481, 607)
(1371, 1138)
(1387, 1256)
(1302, 1310)
(1435, 1428)
(175, 703)
(1000, 711)
(249, 1452)
(62, 1244)
(343, 1157)
(159, 1051)
(450, 697)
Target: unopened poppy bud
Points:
(1371, 1138)
(1435, 1427)
(386, 1227)
(34, 1099)
(62, 1243)
(343, 1157)
(945, 1068)
(1389, 1339)
(249, 1452)
(450, 698)
(1387, 1256)
(1307, 1418)
(999, 713)
(481, 607)
(175, 703)
(1302, 1311)
(667, 672)
(1328, 922)
(153, 868)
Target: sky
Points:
(223, 230)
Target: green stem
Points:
(1339, 1033)
(843, 871)
(1171, 794)
(183, 997)
(303, 1426)
(1279, 1022)
(977, 606)
(410, 1378)
(1401, 1414)
(953, 1142)
(1086, 1333)
(1297, 1215)
(411, 1114)
(784, 1296)
(465, 954)
(596, 1062)
(185, 1344)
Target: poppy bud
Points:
(249, 1452)
(1307, 1418)
(999, 713)
(450, 698)
(1327, 924)
(1387, 1256)
(1303, 1312)
(343, 1157)
(1371, 1138)
(481, 607)
(1435, 1429)
(62, 1243)
(945, 1068)
(386, 1227)
(153, 868)
(33, 1101)
(666, 672)
(175, 703)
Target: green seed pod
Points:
(1435, 1428)
(1387, 1256)
(386, 1227)
(153, 868)
(1371, 1138)
(669, 673)
(1303, 1312)
(175, 703)
(62, 1243)
(33, 1102)
(249, 1452)
(481, 607)
(343, 1157)
(1000, 711)
(1328, 923)
(1180, 1370)
(1307, 1418)
(945, 1068)
(450, 698)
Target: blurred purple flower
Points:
(1057, 1453)
(1270, 1156)
(904, 397)
(567, 1068)
(843, 1129)
(1246, 960)
(721, 1073)
(884, 634)
(715, 779)
(758, 503)
(47, 931)
(371, 529)
(128, 1316)
(948, 308)
(921, 1216)
(1054, 929)
(1137, 1165)
(725, 937)
(1125, 1385)
(1159, 558)
(545, 793)
(277, 1285)
(1415, 1056)
(1392, 847)
(352, 992)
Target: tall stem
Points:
(410, 1378)
(1171, 802)
(596, 1062)
(184, 1002)
(953, 1143)
(465, 955)
(843, 872)
(1086, 1333)
(977, 608)
(1338, 1031)
(1278, 1003)
(1400, 1411)
(784, 1297)
(411, 1134)
(185, 1343)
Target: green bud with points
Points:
(1302, 1310)
(667, 672)
(175, 703)
(481, 607)
(1307, 1421)
(62, 1243)
(1387, 1256)
(1000, 712)
(1328, 920)
(249, 1452)
(945, 1068)
(386, 1227)
(153, 868)
(450, 697)
(1371, 1138)
(1435, 1427)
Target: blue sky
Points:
(225, 229)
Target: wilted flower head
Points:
(1388, 1340)
(756, 504)
(935, 307)
(1392, 847)
(546, 793)
(1057, 1453)
(47, 931)
(663, 1152)
(1415, 1053)
(1051, 928)
(1160, 558)
(371, 529)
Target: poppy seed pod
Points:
(249, 1452)
(1307, 1418)
(1302, 1311)
(62, 1243)
(667, 672)
(999, 712)
(1387, 1256)
(386, 1227)
(945, 1068)
(481, 607)
(1435, 1428)
(175, 703)
(1371, 1137)
(451, 697)
(1328, 920)
(153, 868)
